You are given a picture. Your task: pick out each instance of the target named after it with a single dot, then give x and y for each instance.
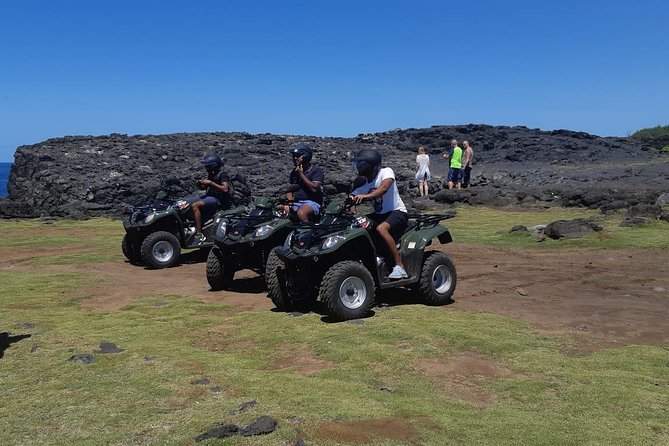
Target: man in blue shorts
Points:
(306, 183)
(218, 193)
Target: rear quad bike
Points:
(156, 233)
(243, 240)
(340, 263)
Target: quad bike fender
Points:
(162, 220)
(420, 238)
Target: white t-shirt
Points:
(388, 202)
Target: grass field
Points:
(187, 364)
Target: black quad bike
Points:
(244, 240)
(156, 233)
(340, 263)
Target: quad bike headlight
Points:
(263, 231)
(222, 228)
(331, 241)
(149, 218)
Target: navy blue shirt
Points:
(314, 174)
(219, 178)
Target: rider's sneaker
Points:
(398, 273)
(200, 238)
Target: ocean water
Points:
(4, 178)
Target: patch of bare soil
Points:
(118, 284)
(459, 373)
(301, 362)
(368, 431)
(603, 298)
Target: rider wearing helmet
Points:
(218, 193)
(390, 214)
(306, 183)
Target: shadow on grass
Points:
(6, 340)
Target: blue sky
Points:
(328, 68)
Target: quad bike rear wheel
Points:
(437, 278)
(219, 273)
(347, 290)
(131, 249)
(160, 250)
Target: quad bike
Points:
(156, 233)
(340, 263)
(243, 240)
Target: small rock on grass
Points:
(86, 359)
(356, 322)
(108, 347)
(244, 406)
(200, 382)
(262, 426)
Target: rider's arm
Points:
(223, 187)
(312, 185)
(382, 189)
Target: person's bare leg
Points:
(450, 185)
(426, 189)
(384, 231)
(197, 216)
(304, 213)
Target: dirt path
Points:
(605, 298)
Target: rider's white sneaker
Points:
(398, 273)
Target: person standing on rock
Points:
(454, 157)
(422, 171)
(218, 193)
(467, 164)
(306, 183)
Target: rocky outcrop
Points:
(83, 176)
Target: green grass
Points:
(146, 394)
(652, 132)
(491, 227)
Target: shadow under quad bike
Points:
(156, 233)
(243, 240)
(338, 262)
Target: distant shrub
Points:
(652, 132)
(664, 149)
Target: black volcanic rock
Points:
(85, 176)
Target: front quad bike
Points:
(244, 240)
(338, 263)
(156, 233)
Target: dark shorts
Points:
(466, 176)
(211, 202)
(454, 175)
(397, 220)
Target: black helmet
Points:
(212, 160)
(303, 150)
(367, 159)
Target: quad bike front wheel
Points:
(160, 250)
(131, 250)
(219, 273)
(275, 279)
(437, 278)
(347, 290)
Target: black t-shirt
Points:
(314, 174)
(219, 178)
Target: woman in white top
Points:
(422, 170)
